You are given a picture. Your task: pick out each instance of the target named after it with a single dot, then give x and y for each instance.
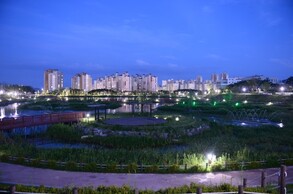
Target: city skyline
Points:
(170, 39)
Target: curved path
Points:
(17, 174)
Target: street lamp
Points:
(88, 117)
(244, 89)
(282, 88)
(210, 158)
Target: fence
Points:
(131, 167)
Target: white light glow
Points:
(177, 119)
(2, 113)
(245, 101)
(211, 157)
(282, 88)
(281, 125)
(269, 104)
(244, 89)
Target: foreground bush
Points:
(128, 190)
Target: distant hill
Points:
(289, 81)
(254, 85)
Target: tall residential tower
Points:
(53, 80)
(82, 81)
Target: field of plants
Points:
(192, 188)
(182, 143)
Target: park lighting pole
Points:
(210, 158)
(88, 117)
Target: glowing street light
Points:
(245, 101)
(177, 119)
(282, 88)
(210, 158)
(88, 117)
(244, 89)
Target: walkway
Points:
(11, 173)
(29, 121)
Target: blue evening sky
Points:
(177, 39)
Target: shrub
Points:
(225, 187)
(234, 166)
(20, 160)
(289, 162)
(91, 167)
(111, 167)
(254, 164)
(70, 165)
(195, 168)
(272, 163)
(217, 167)
(173, 168)
(131, 168)
(4, 158)
(36, 162)
(52, 164)
(153, 168)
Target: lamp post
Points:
(88, 117)
(210, 159)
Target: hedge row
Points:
(128, 190)
(134, 168)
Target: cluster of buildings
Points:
(125, 83)
(53, 80)
(217, 81)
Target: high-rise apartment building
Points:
(82, 81)
(53, 80)
(125, 83)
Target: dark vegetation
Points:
(231, 144)
(128, 190)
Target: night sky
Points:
(176, 39)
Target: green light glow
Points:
(215, 103)
(237, 104)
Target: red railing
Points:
(29, 121)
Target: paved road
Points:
(11, 173)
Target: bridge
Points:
(36, 120)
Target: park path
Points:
(17, 174)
